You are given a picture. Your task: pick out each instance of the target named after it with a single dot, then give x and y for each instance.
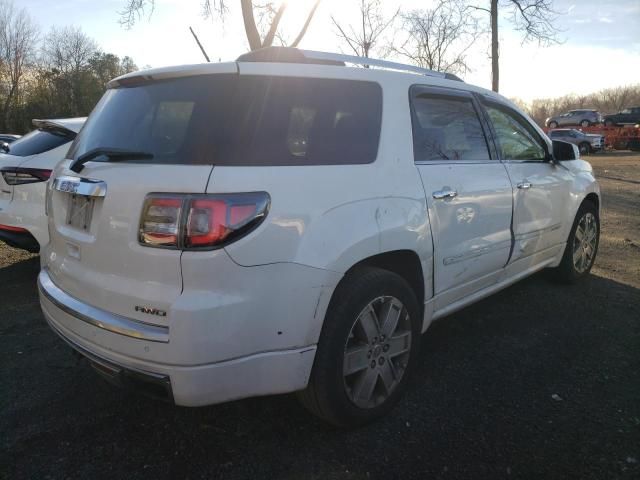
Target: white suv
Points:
(25, 168)
(285, 223)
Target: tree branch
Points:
(305, 27)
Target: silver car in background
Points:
(582, 117)
(586, 142)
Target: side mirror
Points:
(563, 151)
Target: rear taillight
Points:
(22, 176)
(194, 222)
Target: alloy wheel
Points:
(377, 352)
(585, 242)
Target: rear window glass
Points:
(39, 141)
(239, 120)
(447, 128)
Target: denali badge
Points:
(151, 311)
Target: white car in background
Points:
(25, 168)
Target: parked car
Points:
(582, 117)
(286, 223)
(628, 116)
(586, 142)
(24, 171)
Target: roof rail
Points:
(294, 55)
(373, 62)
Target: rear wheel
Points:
(585, 123)
(609, 123)
(582, 245)
(367, 349)
(585, 148)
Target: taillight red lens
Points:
(211, 221)
(23, 176)
(206, 224)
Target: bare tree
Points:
(365, 36)
(439, 38)
(535, 18)
(18, 37)
(68, 51)
(135, 9)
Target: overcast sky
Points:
(600, 40)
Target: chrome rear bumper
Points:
(97, 317)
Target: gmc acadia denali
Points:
(285, 223)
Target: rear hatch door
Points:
(94, 214)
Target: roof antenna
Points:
(199, 44)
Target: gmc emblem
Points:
(151, 311)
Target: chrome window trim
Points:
(459, 162)
(80, 186)
(97, 317)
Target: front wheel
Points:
(553, 124)
(582, 245)
(585, 123)
(609, 123)
(367, 349)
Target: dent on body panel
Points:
(342, 235)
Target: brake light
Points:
(194, 222)
(9, 228)
(22, 176)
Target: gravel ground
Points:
(539, 381)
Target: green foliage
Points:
(53, 89)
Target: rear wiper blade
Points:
(113, 154)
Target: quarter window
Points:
(516, 139)
(447, 128)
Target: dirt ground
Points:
(540, 381)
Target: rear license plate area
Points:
(80, 211)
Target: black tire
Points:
(585, 148)
(326, 394)
(585, 123)
(567, 271)
(609, 123)
(553, 124)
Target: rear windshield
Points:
(239, 120)
(39, 141)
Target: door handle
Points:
(524, 185)
(443, 194)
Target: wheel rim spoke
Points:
(388, 375)
(399, 344)
(392, 310)
(365, 385)
(355, 359)
(577, 255)
(369, 324)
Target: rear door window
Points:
(240, 120)
(39, 141)
(447, 127)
